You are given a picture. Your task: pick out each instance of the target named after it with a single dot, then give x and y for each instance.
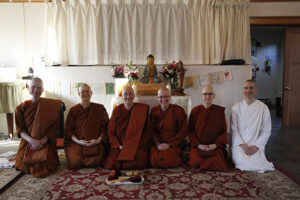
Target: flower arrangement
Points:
(169, 72)
(132, 73)
(129, 71)
(118, 71)
(133, 76)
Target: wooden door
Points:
(291, 82)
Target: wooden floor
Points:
(283, 147)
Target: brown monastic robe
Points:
(207, 126)
(86, 124)
(170, 127)
(132, 129)
(38, 119)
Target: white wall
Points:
(272, 45)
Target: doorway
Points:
(268, 50)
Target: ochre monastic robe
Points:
(170, 127)
(86, 124)
(132, 129)
(38, 119)
(208, 126)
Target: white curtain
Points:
(90, 32)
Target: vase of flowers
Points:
(131, 72)
(125, 75)
(120, 80)
(132, 75)
(118, 71)
(169, 72)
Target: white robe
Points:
(251, 125)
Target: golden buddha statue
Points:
(150, 82)
(150, 72)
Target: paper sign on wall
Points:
(109, 88)
(188, 82)
(227, 75)
(205, 79)
(196, 82)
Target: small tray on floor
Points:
(124, 180)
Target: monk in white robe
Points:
(251, 129)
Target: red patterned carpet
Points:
(180, 183)
(160, 184)
(171, 184)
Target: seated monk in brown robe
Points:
(37, 122)
(86, 132)
(129, 133)
(208, 134)
(170, 128)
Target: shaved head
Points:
(249, 91)
(36, 80)
(208, 96)
(84, 85)
(208, 89)
(163, 89)
(127, 89)
(164, 97)
(85, 93)
(128, 97)
(250, 81)
(36, 88)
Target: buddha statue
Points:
(150, 72)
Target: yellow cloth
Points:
(10, 96)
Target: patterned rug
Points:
(180, 183)
(7, 177)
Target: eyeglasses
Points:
(163, 97)
(250, 88)
(207, 94)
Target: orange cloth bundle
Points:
(31, 157)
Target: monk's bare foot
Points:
(10, 136)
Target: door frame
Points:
(286, 21)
